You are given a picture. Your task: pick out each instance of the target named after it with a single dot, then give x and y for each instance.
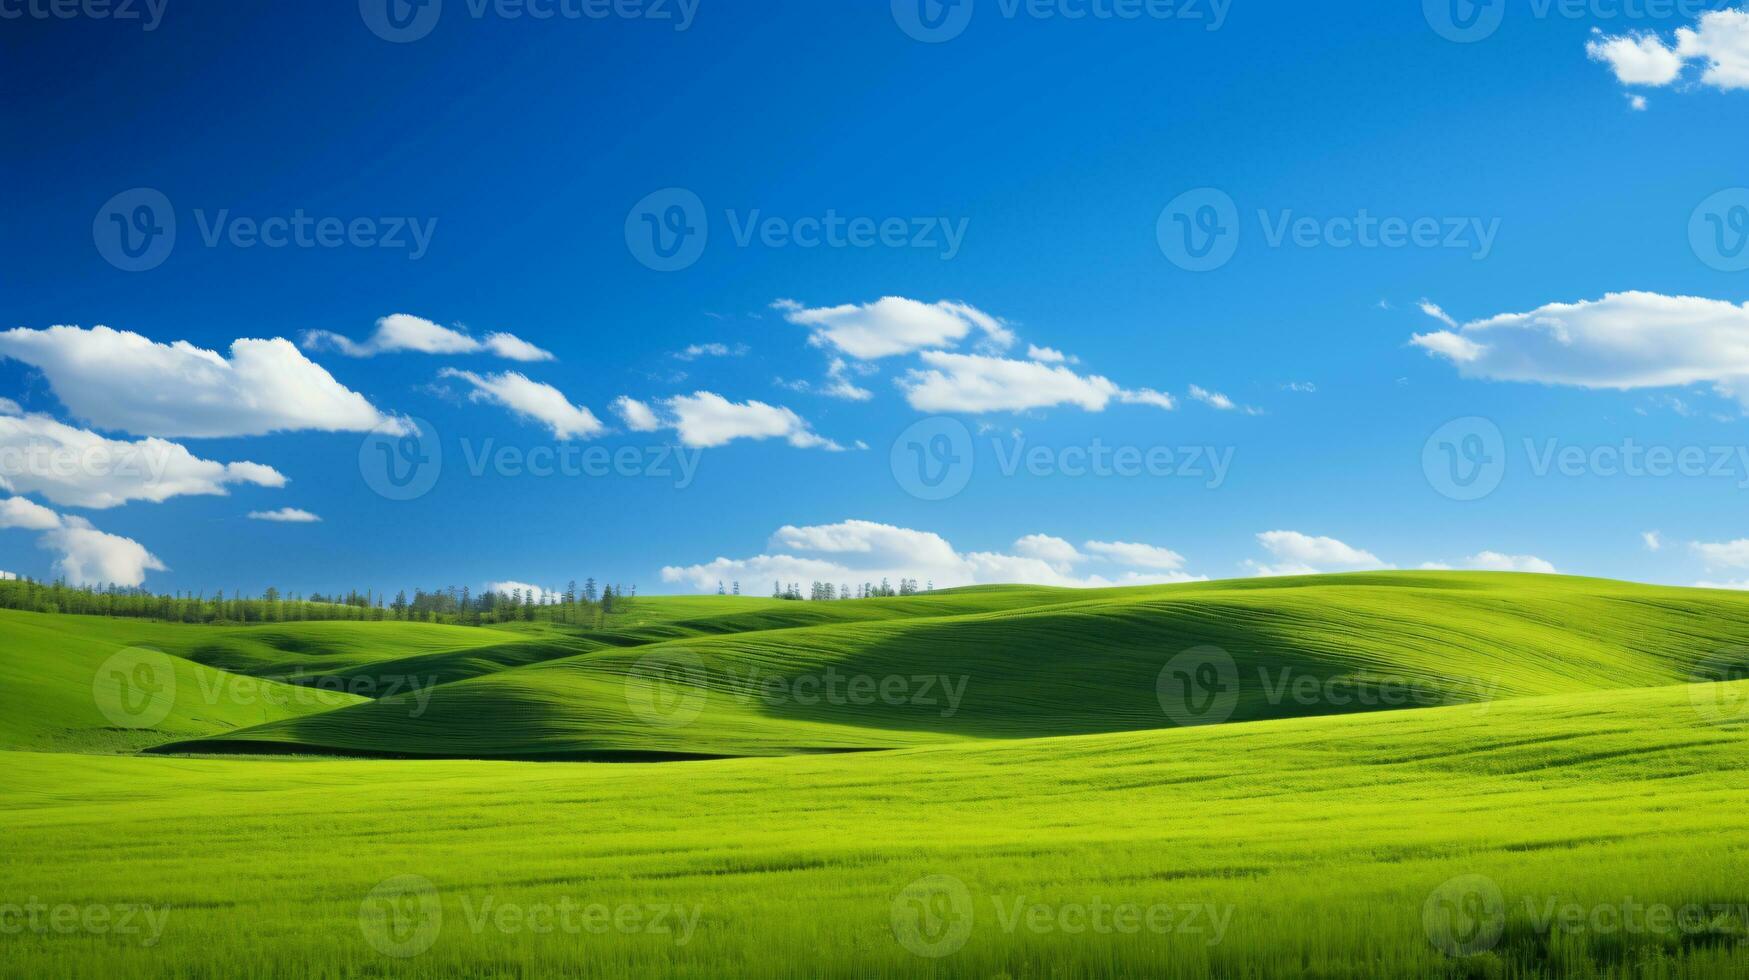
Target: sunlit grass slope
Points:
(84, 684)
(1316, 842)
(1019, 663)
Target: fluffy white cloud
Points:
(1044, 547)
(404, 332)
(1724, 554)
(1719, 43)
(76, 468)
(864, 551)
(637, 416)
(980, 383)
(10, 407)
(28, 515)
(1654, 541)
(894, 325)
(839, 385)
(705, 419)
(122, 381)
(1494, 561)
(532, 400)
(1213, 398)
(8, 577)
(87, 556)
(285, 515)
(1622, 341)
(1434, 310)
(530, 593)
(1303, 554)
(1136, 555)
(1049, 355)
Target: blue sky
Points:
(1028, 160)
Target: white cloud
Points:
(855, 552)
(637, 416)
(839, 384)
(1636, 60)
(1044, 547)
(1654, 541)
(706, 419)
(1050, 355)
(1735, 585)
(10, 407)
(978, 383)
(1433, 310)
(1726, 554)
(8, 577)
(122, 381)
(404, 332)
(696, 351)
(1136, 555)
(1303, 554)
(77, 468)
(530, 593)
(1637, 102)
(532, 400)
(1494, 561)
(894, 325)
(1719, 43)
(87, 556)
(285, 515)
(1214, 398)
(1147, 396)
(28, 515)
(1622, 341)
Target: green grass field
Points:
(1392, 774)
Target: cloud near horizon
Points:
(855, 551)
(87, 556)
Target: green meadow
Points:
(1378, 775)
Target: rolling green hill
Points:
(730, 677)
(1340, 846)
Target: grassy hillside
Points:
(729, 677)
(79, 684)
(1354, 846)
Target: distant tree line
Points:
(827, 592)
(578, 606)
